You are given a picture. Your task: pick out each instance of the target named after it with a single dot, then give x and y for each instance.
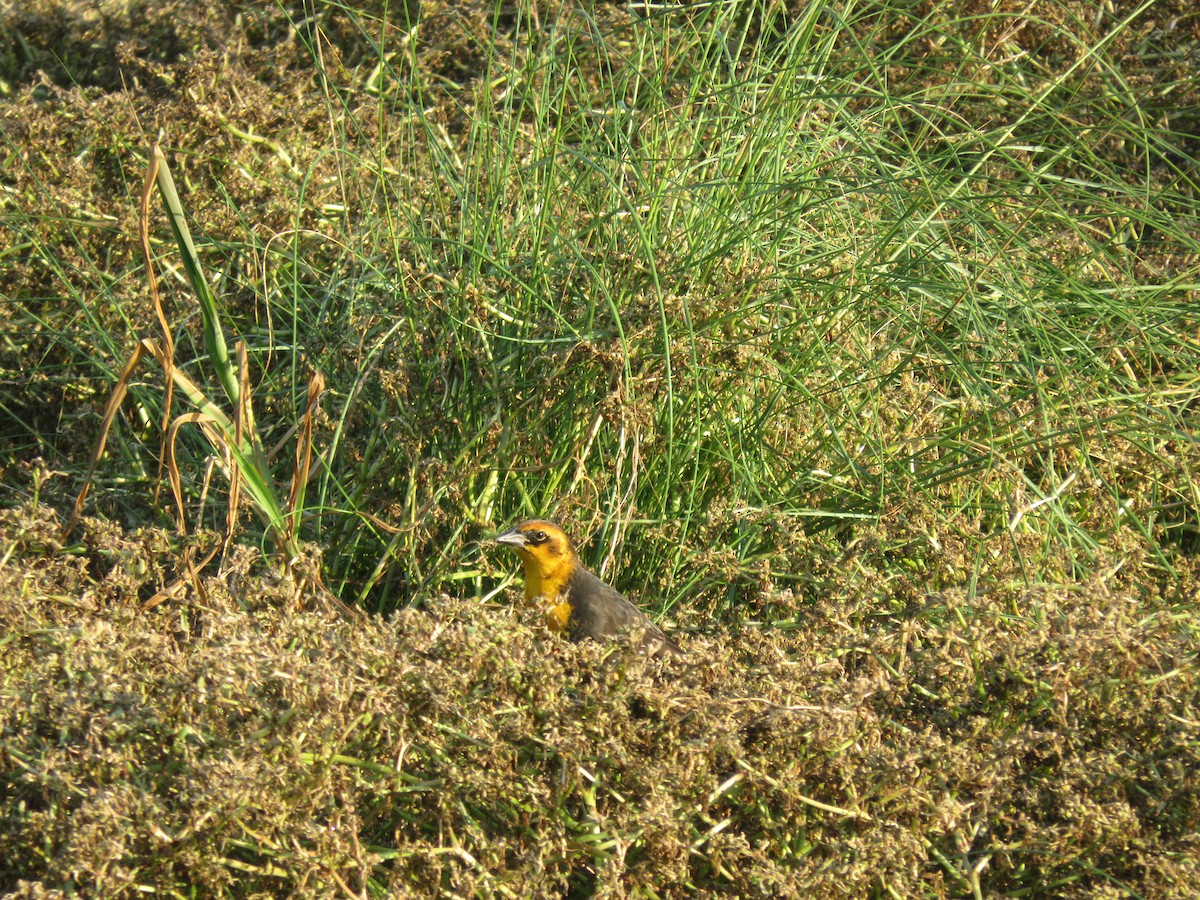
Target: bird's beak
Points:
(513, 538)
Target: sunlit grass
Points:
(858, 341)
(751, 267)
(678, 276)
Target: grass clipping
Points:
(1019, 741)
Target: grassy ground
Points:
(858, 341)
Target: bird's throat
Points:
(549, 581)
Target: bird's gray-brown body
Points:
(600, 612)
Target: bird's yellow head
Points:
(548, 556)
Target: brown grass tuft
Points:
(1039, 740)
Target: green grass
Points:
(701, 260)
(634, 270)
(870, 300)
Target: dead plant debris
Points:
(1040, 740)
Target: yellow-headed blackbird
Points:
(582, 605)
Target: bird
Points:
(583, 606)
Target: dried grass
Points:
(1039, 740)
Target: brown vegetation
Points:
(883, 705)
(461, 748)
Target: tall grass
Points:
(716, 260)
(722, 275)
(857, 321)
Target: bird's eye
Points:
(539, 537)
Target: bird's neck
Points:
(548, 579)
